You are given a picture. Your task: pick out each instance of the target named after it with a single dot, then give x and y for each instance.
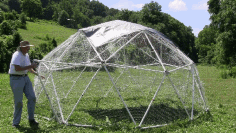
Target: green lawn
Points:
(219, 92)
(37, 31)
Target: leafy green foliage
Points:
(205, 43)
(217, 41)
(14, 5)
(62, 20)
(23, 18)
(4, 7)
(48, 12)
(151, 13)
(1, 17)
(3, 55)
(98, 8)
(33, 8)
(67, 7)
(6, 28)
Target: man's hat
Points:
(25, 44)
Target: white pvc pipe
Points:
(58, 100)
(155, 52)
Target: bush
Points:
(35, 53)
(23, 18)
(62, 20)
(233, 72)
(16, 39)
(3, 56)
(4, 7)
(9, 16)
(6, 28)
(1, 17)
(224, 74)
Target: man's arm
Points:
(19, 68)
(32, 71)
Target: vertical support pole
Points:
(48, 97)
(58, 100)
(152, 101)
(200, 88)
(120, 95)
(82, 95)
(193, 95)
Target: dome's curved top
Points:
(102, 33)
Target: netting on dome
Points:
(118, 71)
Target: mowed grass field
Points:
(220, 94)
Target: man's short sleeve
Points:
(28, 60)
(16, 59)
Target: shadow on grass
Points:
(179, 124)
(30, 129)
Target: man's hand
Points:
(34, 65)
(42, 77)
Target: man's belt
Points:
(18, 75)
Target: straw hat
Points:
(24, 44)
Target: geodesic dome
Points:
(118, 72)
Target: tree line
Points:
(216, 43)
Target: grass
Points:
(219, 92)
(36, 32)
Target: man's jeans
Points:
(20, 85)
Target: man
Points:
(20, 83)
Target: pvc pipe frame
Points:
(48, 98)
(58, 100)
(155, 52)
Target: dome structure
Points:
(118, 71)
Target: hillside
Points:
(36, 32)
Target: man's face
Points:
(25, 49)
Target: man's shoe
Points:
(15, 126)
(33, 123)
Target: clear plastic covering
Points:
(135, 76)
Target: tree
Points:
(151, 13)
(6, 28)
(124, 14)
(112, 11)
(48, 12)
(62, 20)
(65, 5)
(98, 8)
(205, 44)
(223, 18)
(14, 5)
(3, 51)
(81, 19)
(33, 8)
